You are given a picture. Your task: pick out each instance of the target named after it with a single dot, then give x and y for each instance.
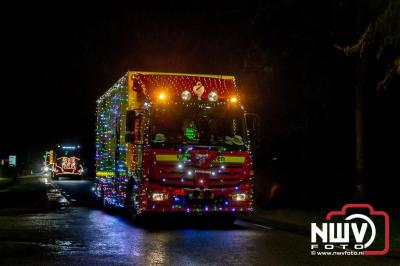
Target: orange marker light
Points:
(233, 100)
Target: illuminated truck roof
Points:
(175, 84)
(200, 86)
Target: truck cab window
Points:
(203, 126)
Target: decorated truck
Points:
(174, 143)
(63, 160)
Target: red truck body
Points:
(173, 143)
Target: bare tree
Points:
(381, 37)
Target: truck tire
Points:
(106, 206)
(133, 212)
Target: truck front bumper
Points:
(192, 202)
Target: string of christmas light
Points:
(111, 149)
(176, 84)
(110, 140)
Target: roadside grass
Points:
(5, 182)
(394, 236)
(22, 191)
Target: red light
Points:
(245, 186)
(179, 192)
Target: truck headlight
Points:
(239, 196)
(159, 196)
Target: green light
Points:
(191, 131)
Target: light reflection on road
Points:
(88, 236)
(114, 235)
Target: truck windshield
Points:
(195, 125)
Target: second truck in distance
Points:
(63, 161)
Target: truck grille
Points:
(230, 176)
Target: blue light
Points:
(226, 202)
(68, 147)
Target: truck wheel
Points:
(133, 212)
(106, 206)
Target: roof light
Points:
(233, 99)
(186, 95)
(213, 96)
(162, 96)
(68, 147)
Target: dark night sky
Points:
(58, 58)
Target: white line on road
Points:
(347, 249)
(263, 226)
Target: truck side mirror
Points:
(253, 125)
(133, 126)
(130, 121)
(130, 126)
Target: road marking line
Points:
(263, 226)
(339, 247)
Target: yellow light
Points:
(159, 196)
(239, 196)
(233, 100)
(162, 96)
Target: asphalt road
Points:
(83, 234)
